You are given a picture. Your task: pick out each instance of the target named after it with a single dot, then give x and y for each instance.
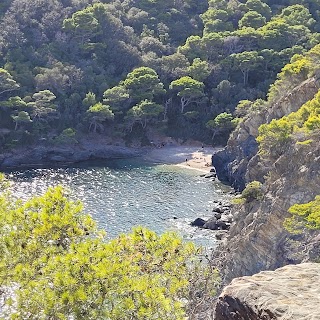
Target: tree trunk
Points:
(184, 103)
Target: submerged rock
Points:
(291, 292)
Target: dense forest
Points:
(123, 69)
(127, 70)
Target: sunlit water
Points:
(125, 193)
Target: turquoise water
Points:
(122, 194)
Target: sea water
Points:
(121, 194)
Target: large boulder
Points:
(198, 222)
(291, 292)
(211, 224)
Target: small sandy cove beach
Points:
(191, 157)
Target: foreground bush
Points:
(61, 267)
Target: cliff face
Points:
(272, 295)
(237, 163)
(257, 239)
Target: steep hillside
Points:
(287, 162)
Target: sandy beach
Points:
(190, 157)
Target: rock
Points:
(210, 175)
(233, 162)
(202, 175)
(226, 218)
(198, 222)
(222, 225)
(213, 170)
(211, 224)
(217, 209)
(217, 215)
(174, 218)
(221, 234)
(257, 239)
(291, 292)
(40, 156)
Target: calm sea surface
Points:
(125, 193)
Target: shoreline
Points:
(43, 156)
(186, 157)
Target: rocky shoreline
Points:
(51, 156)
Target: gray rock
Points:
(226, 218)
(291, 292)
(221, 234)
(217, 209)
(222, 225)
(217, 215)
(211, 224)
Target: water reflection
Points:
(122, 194)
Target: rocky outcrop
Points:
(43, 155)
(233, 162)
(257, 239)
(291, 292)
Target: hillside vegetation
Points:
(124, 68)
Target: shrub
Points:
(304, 216)
(253, 191)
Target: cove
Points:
(121, 194)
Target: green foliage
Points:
(260, 7)
(252, 191)
(60, 266)
(199, 70)
(66, 136)
(99, 113)
(224, 122)
(143, 83)
(7, 83)
(123, 52)
(304, 216)
(188, 89)
(144, 112)
(252, 19)
(89, 100)
(274, 137)
(22, 117)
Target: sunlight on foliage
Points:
(304, 216)
(63, 268)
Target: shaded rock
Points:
(217, 209)
(291, 292)
(211, 224)
(210, 175)
(222, 225)
(213, 170)
(217, 215)
(198, 222)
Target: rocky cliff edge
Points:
(291, 292)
